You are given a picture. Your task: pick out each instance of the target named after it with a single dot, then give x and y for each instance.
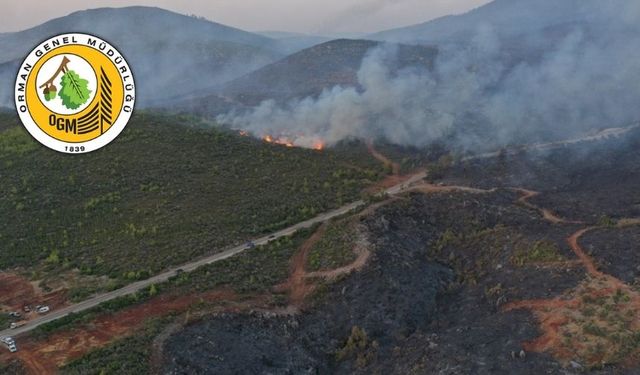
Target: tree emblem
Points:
(74, 90)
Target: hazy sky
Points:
(308, 16)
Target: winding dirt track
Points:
(362, 255)
(586, 260)
(395, 167)
(302, 283)
(299, 286)
(559, 317)
(546, 213)
(563, 314)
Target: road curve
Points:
(191, 266)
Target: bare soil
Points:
(16, 292)
(45, 356)
(441, 291)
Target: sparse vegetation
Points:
(473, 253)
(253, 271)
(603, 329)
(130, 355)
(335, 248)
(4, 320)
(438, 169)
(606, 221)
(359, 347)
(540, 251)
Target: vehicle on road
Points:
(15, 325)
(26, 308)
(42, 309)
(13, 348)
(250, 245)
(272, 236)
(15, 314)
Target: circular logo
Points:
(75, 93)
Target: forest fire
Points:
(300, 141)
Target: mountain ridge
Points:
(226, 51)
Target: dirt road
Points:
(191, 266)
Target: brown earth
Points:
(597, 321)
(45, 356)
(599, 341)
(547, 214)
(297, 284)
(561, 319)
(16, 292)
(362, 255)
(40, 357)
(395, 167)
(395, 178)
(300, 284)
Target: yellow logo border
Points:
(111, 118)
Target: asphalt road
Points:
(134, 287)
(191, 266)
(601, 135)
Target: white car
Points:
(43, 309)
(11, 344)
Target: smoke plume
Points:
(490, 91)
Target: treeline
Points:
(169, 189)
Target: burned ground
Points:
(616, 251)
(465, 281)
(413, 312)
(584, 181)
(496, 279)
(391, 298)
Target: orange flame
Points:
(316, 144)
(284, 141)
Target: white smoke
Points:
(476, 95)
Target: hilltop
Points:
(303, 74)
(171, 54)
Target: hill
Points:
(491, 62)
(294, 42)
(517, 22)
(171, 54)
(302, 74)
(468, 242)
(159, 195)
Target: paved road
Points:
(603, 134)
(134, 287)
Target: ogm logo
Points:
(75, 93)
